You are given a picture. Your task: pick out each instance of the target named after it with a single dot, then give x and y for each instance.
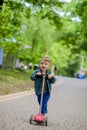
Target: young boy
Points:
(37, 77)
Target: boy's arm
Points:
(35, 75)
(51, 78)
(32, 77)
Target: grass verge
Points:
(13, 81)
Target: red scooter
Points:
(39, 119)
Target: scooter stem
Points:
(42, 94)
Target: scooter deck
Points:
(42, 123)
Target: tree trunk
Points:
(1, 4)
(33, 44)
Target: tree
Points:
(81, 9)
(1, 4)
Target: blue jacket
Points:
(39, 79)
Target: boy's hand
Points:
(38, 73)
(50, 76)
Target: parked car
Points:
(80, 75)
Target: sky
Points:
(67, 0)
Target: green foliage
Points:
(31, 29)
(38, 36)
(10, 19)
(59, 54)
(81, 9)
(12, 81)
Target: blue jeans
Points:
(46, 97)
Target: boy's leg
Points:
(46, 97)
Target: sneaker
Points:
(43, 114)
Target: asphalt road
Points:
(67, 108)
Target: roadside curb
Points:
(26, 93)
(15, 95)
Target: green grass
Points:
(12, 81)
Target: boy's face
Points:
(44, 65)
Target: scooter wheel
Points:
(31, 118)
(46, 121)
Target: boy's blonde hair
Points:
(45, 59)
